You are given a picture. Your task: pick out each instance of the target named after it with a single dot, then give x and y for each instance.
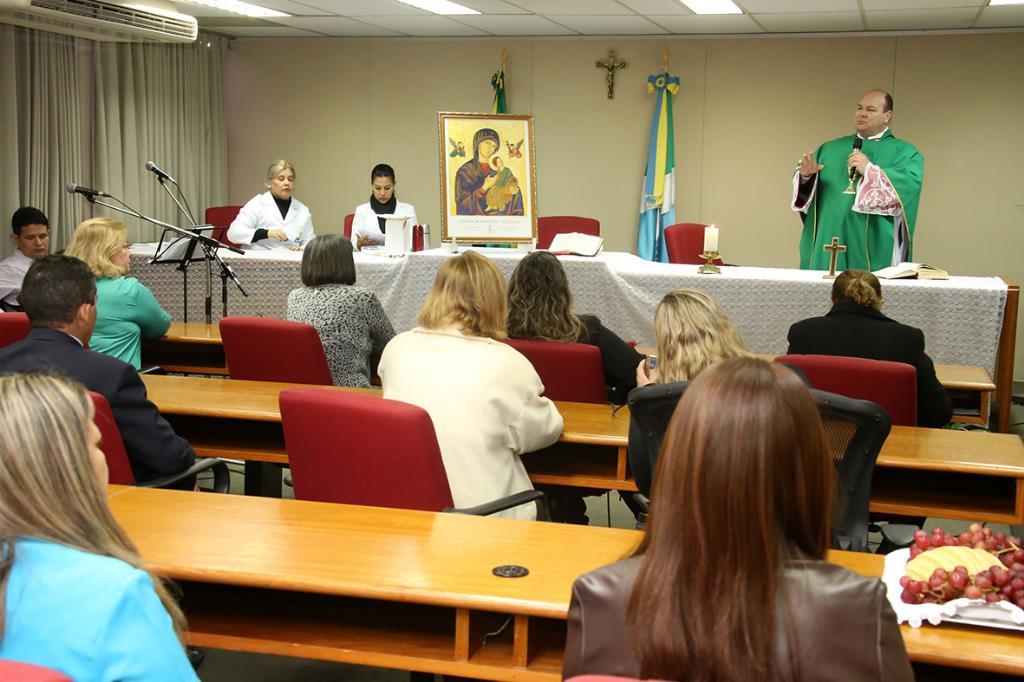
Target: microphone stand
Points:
(209, 255)
(208, 244)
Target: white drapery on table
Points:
(961, 317)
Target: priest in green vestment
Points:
(874, 213)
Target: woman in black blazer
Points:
(856, 327)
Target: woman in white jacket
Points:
(274, 219)
(482, 395)
(368, 223)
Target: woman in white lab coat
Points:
(274, 219)
(368, 223)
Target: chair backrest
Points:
(266, 349)
(360, 449)
(855, 431)
(118, 466)
(222, 217)
(569, 371)
(348, 225)
(549, 226)
(893, 385)
(685, 243)
(29, 672)
(13, 327)
(650, 410)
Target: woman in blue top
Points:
(125, 309)
(73, 591)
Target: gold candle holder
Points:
(709, 268)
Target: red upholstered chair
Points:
(348, 225)
(28, 672)
(355, 448)
(685, 243)
(120, 470)
(222, 217)
(569, 371)
(265, 349)
(13, 327)
(549, 226)
(892, 385)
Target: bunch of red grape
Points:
(999, 583)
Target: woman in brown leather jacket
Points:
(730, 582)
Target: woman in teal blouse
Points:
(125, 309)
(74, 592)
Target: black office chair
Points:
(854, 432)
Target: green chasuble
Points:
(868, 238)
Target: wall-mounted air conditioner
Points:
(109, 20)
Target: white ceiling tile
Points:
(493, 6)
(707, 23)
(920, 19)
(1002, 17)
(811, 23)
(546, 7)
(516, 25)
(923, 5)
(616, 25)
(800, 6)
(656, 6)
(337, 26)
(357, 8)
(267, 32)
(432, 25)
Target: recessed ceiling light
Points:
(993, 3)
(440, 6)
(239, 7)
(712, 6)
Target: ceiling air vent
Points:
(108, 20)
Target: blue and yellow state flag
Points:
(499, 105)
(658, 203)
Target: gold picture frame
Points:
(488, 177)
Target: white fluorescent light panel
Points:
(238, 7)
(440, 6)
(993, 3)
(712, 6)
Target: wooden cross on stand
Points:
(611, 66)
(835, 248)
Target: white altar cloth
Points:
(961, 317)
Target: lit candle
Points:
(711, 239)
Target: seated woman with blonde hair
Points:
(730, 581)
(74, 593)
(691, 332)
(855, 327)
(126, 310)
(483, 396)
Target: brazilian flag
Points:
(499, 105)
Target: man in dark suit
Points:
(856, 327)
(59, 297)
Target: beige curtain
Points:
(74, 110)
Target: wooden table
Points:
(413, 590)
(921, 472)
(196, 348)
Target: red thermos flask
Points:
(417, 237)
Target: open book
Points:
(576, 243)
(912, 271)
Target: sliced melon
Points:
(974, 560)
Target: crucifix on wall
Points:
(611, 66)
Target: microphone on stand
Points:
(155, 169)
(857, 144)
(89, 194)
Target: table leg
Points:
(262, 479)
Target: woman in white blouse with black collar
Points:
(368, 223)
(274, 219)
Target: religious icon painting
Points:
(488, 177)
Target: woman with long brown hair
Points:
(730, 582)
(74, 594)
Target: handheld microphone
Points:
(89, 194)
(150, 166)
(857, 144)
